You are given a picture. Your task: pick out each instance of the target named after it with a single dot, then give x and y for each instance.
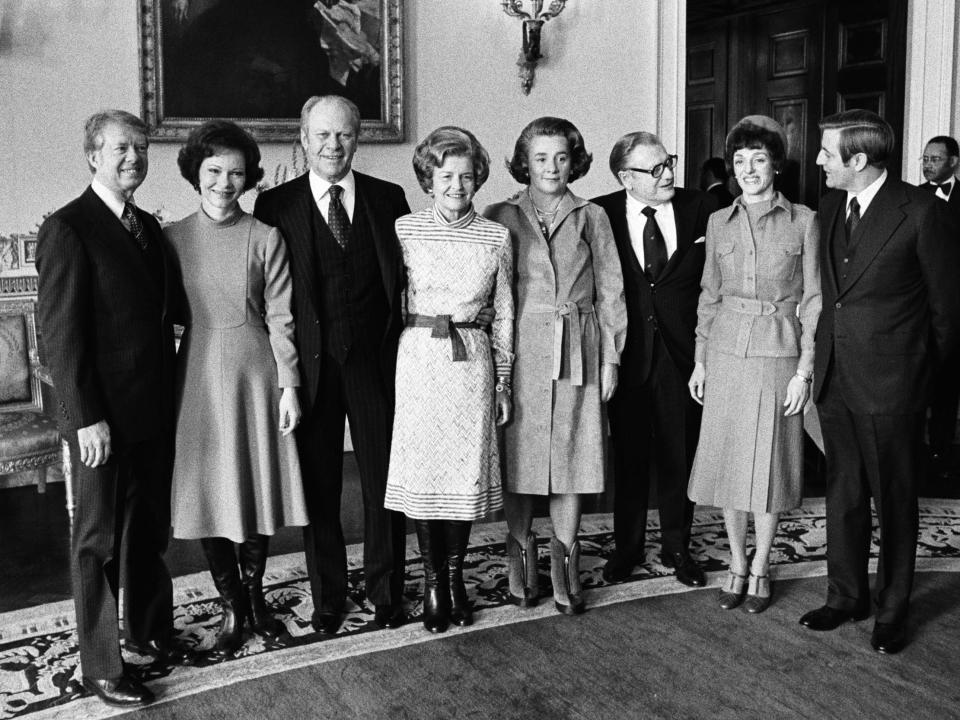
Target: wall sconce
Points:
(532, 23)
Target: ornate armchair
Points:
(29, 440)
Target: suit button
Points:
(316, 356)
(846, 260)
(316, 322)
(838, 306)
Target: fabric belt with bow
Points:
(566, 314)
(444, 327)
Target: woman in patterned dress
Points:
(236, 475)
(444, 462)
(570, 331)
(758, 312)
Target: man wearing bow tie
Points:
(106, 288)
(659, 230)
(941, 158)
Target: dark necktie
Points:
(337, 217)
(134, 225)
(654, 246)
(853, 219)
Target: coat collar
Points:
(568, 203)
(779, 201)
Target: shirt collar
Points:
(320, 187)
(109, 198)
(637, 206)
(779, 201)
(865, 196)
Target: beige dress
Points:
(570, 317)
(234, 473)
(757, 315)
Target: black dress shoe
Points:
(168, 652)
(618, 569)
(830, 618)
(685, 568)
(389, 616)
(888, 638)
(120, 692)
(326, 622)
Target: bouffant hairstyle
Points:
(580, 159)
(862, 131)
(95, 124)
(746, 135)
(212, 138)
(449, 141)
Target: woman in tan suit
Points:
(758, 310)
(571, 322)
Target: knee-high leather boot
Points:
(253, 561)
(457, 534)
(565, 573)
(222, 560)
(436, 612)
(522, 570)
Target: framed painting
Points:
(257, 61)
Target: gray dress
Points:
(757, 315)
(234, 473)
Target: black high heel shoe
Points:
(522, 571)
(732, 594)
(754, 602)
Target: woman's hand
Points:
(485, 317)
(289, 411)
(696, 382)
(608, 381)
(504, 407)
(798, 390)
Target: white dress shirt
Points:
(945, 195)
(320, 189)
(865, 196)
(636, 221)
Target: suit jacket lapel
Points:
(877, 226)
(301, 240)
(621, 231)
(828, 224)
(683, 217)
(387, 257)
(114, 238)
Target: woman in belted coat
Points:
(570, 326)
(757, 315)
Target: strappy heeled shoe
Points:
(732, 594)
(754, 602)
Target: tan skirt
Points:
(750, 457)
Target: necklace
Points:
(545, 217)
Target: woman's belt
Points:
(567, 314)
(444, 327)
(752, 306)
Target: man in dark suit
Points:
(714, 178)
(891, 308)
(941, 157)
(105, 286)
(659, 230)
(347, 278)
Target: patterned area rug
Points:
(39, 660)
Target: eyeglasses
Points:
(657, 170)
(932, 158)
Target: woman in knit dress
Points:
(444, 462)
(236, 473)
(758, 311)
(571, 327)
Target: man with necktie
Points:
(941, 157)
(106, 287)
(659, 231)
(347, 275)
(891, 311)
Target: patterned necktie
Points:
(337, 217)
(654, 246)
(853, 219)
(134, 225)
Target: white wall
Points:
(61, 60)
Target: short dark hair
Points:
(717, 167)
(625, 145)
(953, 149)
(449, 141)
(580, 159)
(746, 135)
(862, 131)
(212, 138)
(95, 124)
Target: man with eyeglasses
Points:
(659, 230)
(940, 160)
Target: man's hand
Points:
(608, 381)
(94, 442)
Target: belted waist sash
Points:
(567, 314)
(444, 327)
(751, 306)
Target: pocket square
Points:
(702, 238)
